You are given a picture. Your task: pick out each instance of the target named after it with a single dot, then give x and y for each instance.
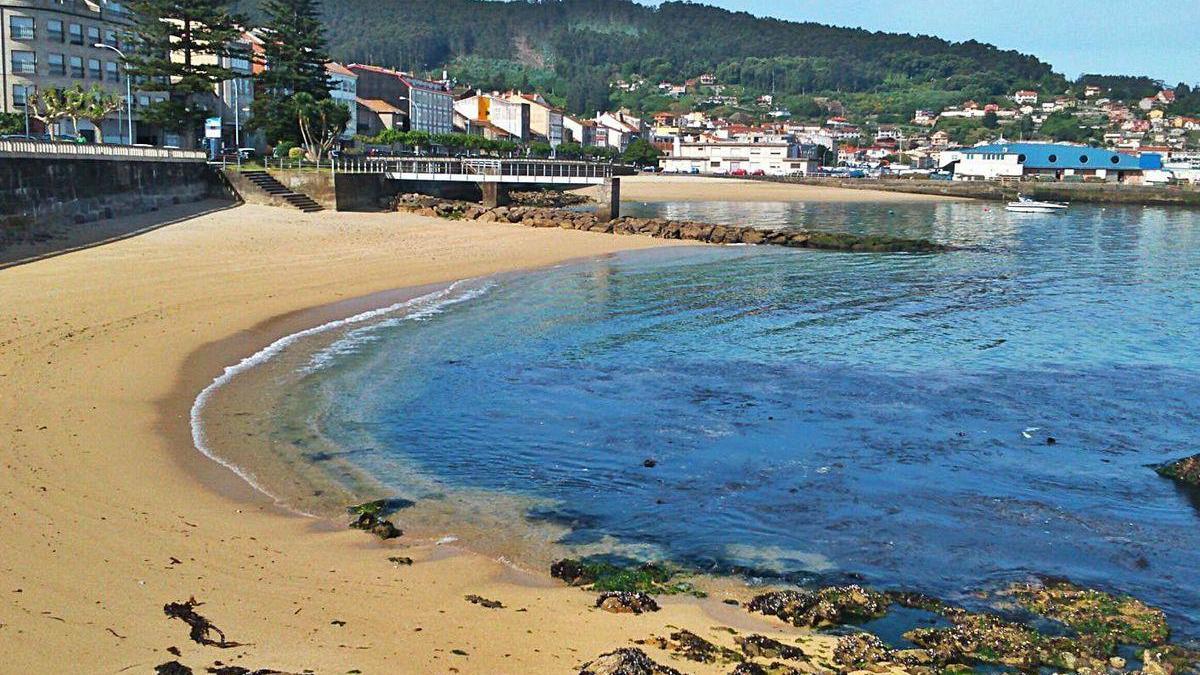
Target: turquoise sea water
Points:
(821, 415)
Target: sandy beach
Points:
(657, 188)
(110, 513)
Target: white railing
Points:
(61, 150)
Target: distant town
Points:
(711, 127)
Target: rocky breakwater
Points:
(662, 228)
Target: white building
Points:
(509, 116)
(729, 157)
(1025, 96)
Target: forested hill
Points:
(574, 48)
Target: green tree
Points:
(96, 105)
(294, 55)
(642, 153)
(48, 106)
(12, 123)
(181, 46)
(320, 123)
(1063, 126)
(990, 120)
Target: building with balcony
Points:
(51, 44)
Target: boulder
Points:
(829, 606)
(619, 602)
(625, 661)
(1186, 470)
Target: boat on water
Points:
(1028, 205)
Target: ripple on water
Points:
(882, 415)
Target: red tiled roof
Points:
(339, 69)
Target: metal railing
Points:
(531, 168)
(61, 150)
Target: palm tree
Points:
(97, 105)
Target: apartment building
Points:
(343, 88)
(418, 104)
(47, 44)
(545, 120)
(488, 113)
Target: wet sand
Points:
(109, 511)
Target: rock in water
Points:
(1186, 470)
(829, 606)
(626, 661)
(626, 602)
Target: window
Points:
(110, 37)
(21, 94)
(76, 67)
(94, 71)
(54, 30)
(143, 100)
(76, 34)
(110, 71)
(58, 64)
(1083, 159)
(24, 63)
(93, 35)
(1115, 159)
(1053, 158)
(20, 27)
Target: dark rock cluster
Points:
(626, 602)
(626, 661)
(548, 198)
(370, 518)
(660, 227)
(831, 606)
(1186, 470)
(688, 645)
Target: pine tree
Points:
(294, 49)
(295, 54)
(180, 48)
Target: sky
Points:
(1159, 38)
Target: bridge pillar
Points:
(609, 199)
(494, 194)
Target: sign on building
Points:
(212, 127)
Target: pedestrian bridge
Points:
(481, 170)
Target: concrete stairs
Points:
(267, 183)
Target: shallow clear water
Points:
(834, 414)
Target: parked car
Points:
(649, 169)
(759, 172)
(694, 170)
(738, 172)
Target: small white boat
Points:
(1026, 205)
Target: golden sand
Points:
(109, 512)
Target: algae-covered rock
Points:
(861, 650)
(692, 647)
(828, 606)
(1186, 470)
(626, 661)
(760, 646)
(654, 578)
(774, 668)
(1110, 618)
(625, 602)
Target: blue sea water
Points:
(876, 416)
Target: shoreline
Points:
(165, 523)
(115, 513)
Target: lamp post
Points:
(128, 87)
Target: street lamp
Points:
(128, 87)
